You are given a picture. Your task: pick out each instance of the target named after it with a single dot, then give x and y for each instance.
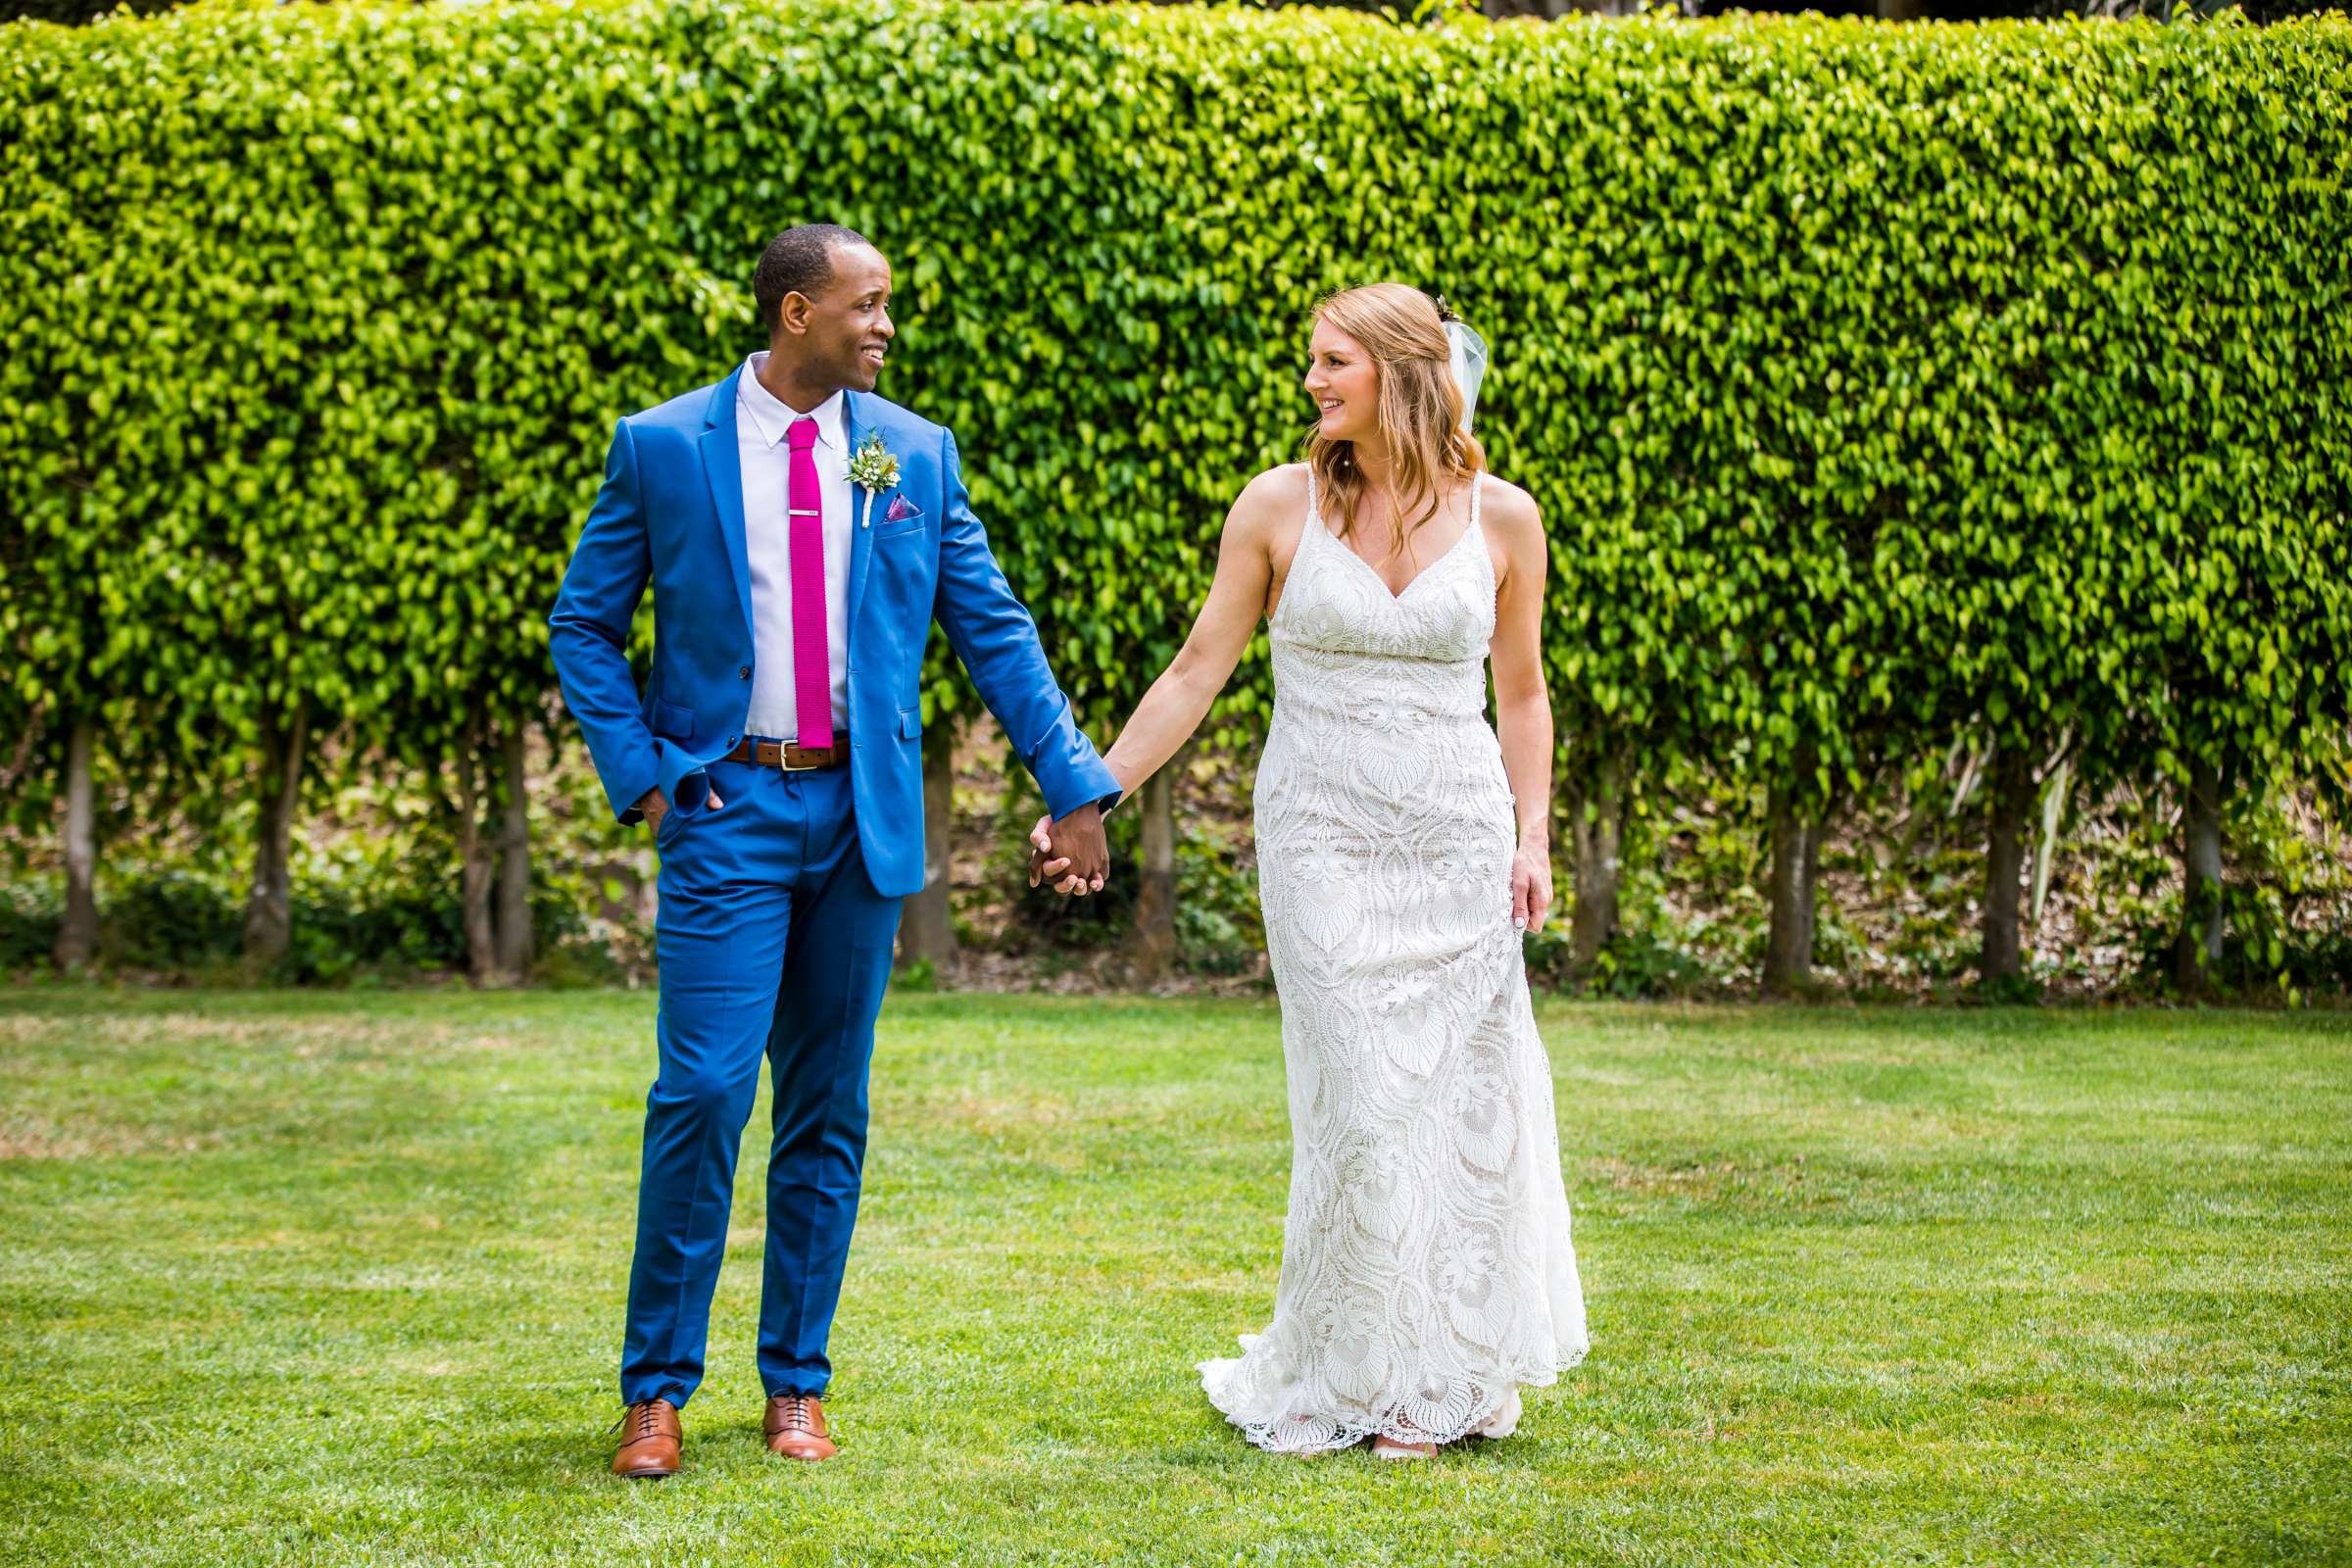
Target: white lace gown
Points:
(1427, 1273)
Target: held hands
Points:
(1531, 884)
(1071, 853)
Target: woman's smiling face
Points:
(1345, 383)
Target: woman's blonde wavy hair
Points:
(1420, 408)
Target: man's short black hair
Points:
(798, 261)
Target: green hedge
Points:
(1885, 389)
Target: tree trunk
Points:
(1902, 10)
(927, 926)
(1796, 868)
(1596, 832)
(2199, 944)
(515, 937)
(1156, 901)
(475, 865)
(2008, 810)
(77, 938)
(270, 906)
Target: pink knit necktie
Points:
(812, 658)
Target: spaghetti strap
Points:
(1313, 522)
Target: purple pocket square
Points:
(899, 509)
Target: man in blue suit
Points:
(799, 534)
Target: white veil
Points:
(1469, 357)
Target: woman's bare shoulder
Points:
(1511, 510)
(1273, 497)
(1278, 485)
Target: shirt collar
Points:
(772, 417)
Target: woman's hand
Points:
(1054, 871)
(1530, 886)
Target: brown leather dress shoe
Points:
(796, 1427)
(650, 1439)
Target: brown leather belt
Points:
(790, 757)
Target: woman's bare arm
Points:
(1522, 704)
(1181, 697)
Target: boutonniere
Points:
(873, 470)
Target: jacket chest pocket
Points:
(905, 569)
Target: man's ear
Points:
(792, 316)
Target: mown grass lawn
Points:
(338, 1278)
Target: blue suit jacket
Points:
(671, 511)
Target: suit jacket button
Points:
(745, 673)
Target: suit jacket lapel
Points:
(862, 538)
(722, 466)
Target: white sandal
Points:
(1388, 1448)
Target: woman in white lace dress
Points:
(1427, 1273)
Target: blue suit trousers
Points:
(772, 943)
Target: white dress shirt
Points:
(761, 422)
